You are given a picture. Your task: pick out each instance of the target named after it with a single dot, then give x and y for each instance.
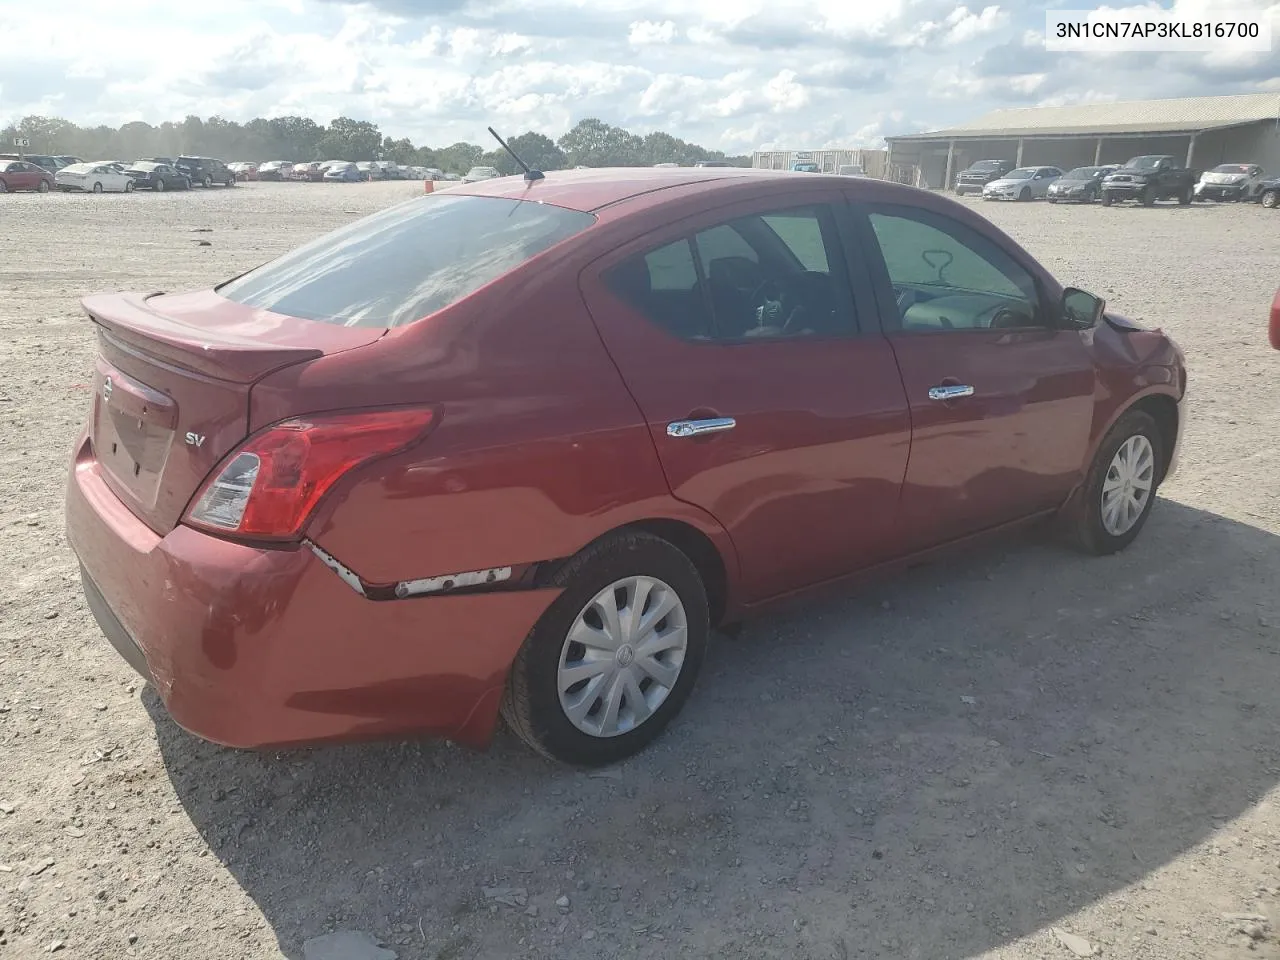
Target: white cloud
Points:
(734, 74)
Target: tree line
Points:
(591, 143)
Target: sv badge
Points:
(195, 439)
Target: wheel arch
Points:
(1162, 408)
(714, 561)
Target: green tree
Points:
(459, 157)
(594, 143)
(348, 139)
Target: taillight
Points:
(268, 487)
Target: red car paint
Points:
(550, 396)
(18, 175)
(1274, 329)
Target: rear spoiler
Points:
(129, 319)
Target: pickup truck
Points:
(980, 174)
(1148, 179)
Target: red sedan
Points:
(517, 447)
(21, 175)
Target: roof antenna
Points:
(529, 173)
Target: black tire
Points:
(531, 703)
(1025, 195)
(1106, 198)
(230, 183)
(1185, 198)
(158, 185)
(1147, 197)
(1270, 199)
(1051, 199)
(4, 187)
(1090, 195)
(129, 186)
(207, 182)
(97, 188)
(44, 186)
(1084, 528)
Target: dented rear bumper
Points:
(253, 646)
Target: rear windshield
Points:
(406, 262)
(987, 165)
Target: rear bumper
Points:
(255, 647)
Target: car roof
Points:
(589, 190)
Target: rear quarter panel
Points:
(538, 448)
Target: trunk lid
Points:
(172, 383)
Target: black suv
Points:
(982, 173)
(205, 171)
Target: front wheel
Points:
(158, 186)
(1121, 485)
(1271, 199)
(1106, 198)
(1147, 197)
(1184, 199)
(207, 182)
(44, 186)
(614, 658)
(128, 186)
(1025, 195)
(97, 188)
(4, 187)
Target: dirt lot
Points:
(955, 764)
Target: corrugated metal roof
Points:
(1129, 116)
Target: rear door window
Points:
(406, 262)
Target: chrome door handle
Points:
(950, 392)
(696, 428)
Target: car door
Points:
(771, 397)
(1001, 396)
(1043, 177)
(31, 176)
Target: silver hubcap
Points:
(1127, 487)
(622, 657)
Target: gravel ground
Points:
(984, 758)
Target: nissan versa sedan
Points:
(518, 447)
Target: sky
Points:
(735, 75)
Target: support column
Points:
(1018, 161)
(1097, 154)
(1191, 149)
(951, 159)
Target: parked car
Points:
(299, 511)
(1080, 184)
(713, 163)
(805, 166)
(43, 161)
(850, 170)
(1148, 179)
(243, 170)
(368, 171)
(167, 161)
(149, 175)
(476, 174)
(666, 166)
(67, 161)
(275, 170)
(435, 173)
(978, 175)
(1022, 183)
(342, 173)
(18, 175)
(93, 178)
(1230, 181)
(1269, 193)
(206, 171)
(311, 172)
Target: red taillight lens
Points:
(268, 487)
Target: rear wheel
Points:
(207, 182)
(4, 187)
(1271, 199)
(1120, 489)
(614, 658)
(158, 185)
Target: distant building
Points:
(829, 161)
(1202, 131)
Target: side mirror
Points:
(1081, 309)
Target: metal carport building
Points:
(1204, 131)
